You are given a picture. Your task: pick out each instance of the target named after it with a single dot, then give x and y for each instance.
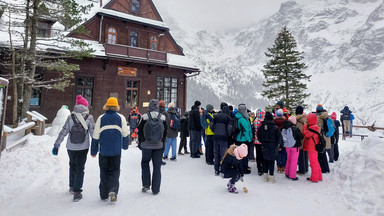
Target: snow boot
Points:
(145, 189)
(70, 190)
(265, 177)
(112, 197)
(271, 179)
(77, 196)
(173, 159)
(232, 189)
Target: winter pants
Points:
(209, 155)
(183, 143)
(259, 157)
(335, 140)
(347, 126)
(282, 158)
(291, 167)
(109, 174)
(195, 142)
(155, 156)
(322, 157)
(77, 161)
(170, 142)
(269, 166)
(331, 154)
(303, 161)
(243, 162)
(220, 147)
(251, 152)
(235, 179)
(315, 167)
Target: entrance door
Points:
(132, 89)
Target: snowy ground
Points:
(33, 182)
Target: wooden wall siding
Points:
(146, 9)
(106, 82)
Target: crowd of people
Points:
(231, 136)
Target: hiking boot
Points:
(180, 153)
(145, 189)
(77, 196)
(165, 157)
(112, 197)
(265, 177)
(173, 159)
(232, 189)
(271, 179)
(163, 163)
(187, 152)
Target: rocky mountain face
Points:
(343, 45)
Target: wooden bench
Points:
(362, 136)
(13, 137)
(39, 129)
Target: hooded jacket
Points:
(153, 108)
(172, 133)
(309, 145)
(194, 119)
(90, 122)
(245, 134)
(345, 114)
(270, 137)
(230, 166)
(260, 115)
(184, 131)
(221, 125)
(209, 118)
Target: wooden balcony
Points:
(135, 52)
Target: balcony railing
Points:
(135, 52)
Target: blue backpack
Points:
(175, 122)
(203, 120)
(329, 127)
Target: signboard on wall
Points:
(126, 71)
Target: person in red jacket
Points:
(310, 140)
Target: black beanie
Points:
(299, 110)
(268, 116)
(197, 103)
(222, 105)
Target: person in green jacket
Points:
(245, 133)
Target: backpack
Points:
(329, 127)
(288, 137)
(203, 120)
(236, 129)
(153, 129)
(320, 147)
(175, 122)
(77, 133)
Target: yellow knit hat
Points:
(112, 102)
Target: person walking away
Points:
(133, 121)
(110, 135)
(335, 137)
(167, 117)
(208, 118)
(173, 127)
(301, 119)
(346, 119)
(184, 133)
(79, 125)
(310, 140)
(152, 132)
(292, 138)
(260, 114)
(270, 137)
(231, 167)
(322, 117)
(282, 158)
(245, 133)
(195, 129)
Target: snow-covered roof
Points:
(133, 18)
(180, 61)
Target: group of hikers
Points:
(230, 137)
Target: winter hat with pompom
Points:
(333, 116)
(279, 113)
(319, 108)
(171, 105)
(241, 151)
(292, 119)
(81, 101)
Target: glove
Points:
(241, 179)
(55, 151)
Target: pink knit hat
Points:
(81, 100)
(333, 116)
(292, 119)
(241, 151)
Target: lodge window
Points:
(167, 89)
(135, 7)
(134, 39)
(132, 93)
(43, 29)
(84, 87)
(36, 92)
(112, 35)
(154, 43)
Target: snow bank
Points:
(361, 175)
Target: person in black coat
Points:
(221, 126)
(195, 129)
(270, 137)
(184, 133)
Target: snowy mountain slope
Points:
(343, 47)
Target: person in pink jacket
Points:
(260, 114)
(310, 140)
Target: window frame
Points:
(135, 4)
(153, 40)
(83, 88)
(167, 91)
(131, 89)
(113, 34)
(136, 35)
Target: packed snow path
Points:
(34, 182)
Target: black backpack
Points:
(77, 133)
(235, 128)
(153, 129)
(320, 147)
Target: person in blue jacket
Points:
(110, 135)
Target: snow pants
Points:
(303, 161)
(259, 157)
(183, 143)
(291, 167)
(269, 166)
(77, 161)
(315, 167)
(155, 156)
(209, 146)
(323, 161)
(109, 175)
(219, 150)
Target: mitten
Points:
(55, 151)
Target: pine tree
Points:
(284, 77)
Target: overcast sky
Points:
(218, 14)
